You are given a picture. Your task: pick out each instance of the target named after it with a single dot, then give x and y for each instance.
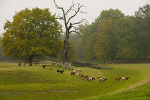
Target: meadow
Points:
(37, 83)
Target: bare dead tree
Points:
(69, 27)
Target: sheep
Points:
(125, 78)
(91, 78)
(75, 69)
(86, 78)
(99, 79)
(72, 73)
(43, 66)
(61, 71)
(117, 79)
(50, 68)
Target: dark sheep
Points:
(72, 73)
(43, 66)
(60, 71)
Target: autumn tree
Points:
(105, 45)
(32, 33)
(69, 27)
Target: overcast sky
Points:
(93, 7)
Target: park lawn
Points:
(35, 82)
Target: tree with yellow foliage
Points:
(32, 33)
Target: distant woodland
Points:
(111, 37)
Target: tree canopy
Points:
(114, 36)
(32, 33)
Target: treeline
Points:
(114, 36)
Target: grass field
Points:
(37, 83)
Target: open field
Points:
(37, 83)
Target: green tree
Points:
(142, 20)
(127, 42)
(143, 11)
(105, 45)
(32, 33)
(110, 14)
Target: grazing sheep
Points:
(79, 70)
(91, 78)
(74, 70)
(43, 66)
(72, 73)
(125, 78)
(105, 79)
(50, 68)
(99, 79)
(61, 71)
(117, 79)
(86, 78)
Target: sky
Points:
(93, 8)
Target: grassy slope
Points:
(38, 83)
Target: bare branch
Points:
(64, 15)
(75, 30)
(81, 21)
(71, 8)
(57, 5)
(59, 17)
(76, 11)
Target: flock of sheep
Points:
(89, 78)
(99, 79)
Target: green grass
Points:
(35, 82)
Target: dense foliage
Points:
(114, 36)
(32, 33)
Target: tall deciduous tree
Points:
(126, 39)
(105, 45)
(32, 33)
(69, 27)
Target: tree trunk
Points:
(73, 8)
(66, 52)
(30, 61)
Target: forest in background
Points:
(112, 36)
